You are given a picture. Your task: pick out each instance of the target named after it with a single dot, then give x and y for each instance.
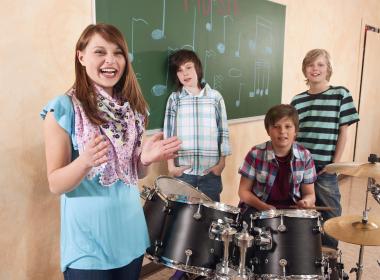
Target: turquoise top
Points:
(101, 227)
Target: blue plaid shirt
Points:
(200, 122)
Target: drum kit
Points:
(192, 233)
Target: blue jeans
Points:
(128, 272)
(210, 184)
(327, 194)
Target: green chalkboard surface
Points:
(240, 44)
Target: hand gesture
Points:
(178, 171)
(155, 149)
(95, 151)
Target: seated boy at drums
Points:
(279, 173)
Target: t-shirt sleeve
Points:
(63, 112)
(247, 169)
(348, 112)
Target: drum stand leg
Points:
(359, 266)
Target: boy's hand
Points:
(178, 171)
(216, 169)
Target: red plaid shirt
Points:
(261, 166)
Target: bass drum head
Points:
(175, 189)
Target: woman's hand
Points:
(178, 171)
(156, 149)
(95, 152)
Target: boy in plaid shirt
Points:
(196, 114)
(280, 172)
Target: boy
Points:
(278, 173)
(325, 113)
(196, 114)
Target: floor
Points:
(353, 192)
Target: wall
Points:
(36, 54)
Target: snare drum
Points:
(156, 206)
(188, 242)
(295, 248)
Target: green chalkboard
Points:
(240, 44)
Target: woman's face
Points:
(104, 62)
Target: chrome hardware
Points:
(147, 193)
(281, 227)
(283, 263)
(215, 230)
(188, 254)
(197, 215)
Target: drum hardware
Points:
(283, 263)
(197, 215)
(147, 193)
(375, 190)
(318, 228)
(355, 229)
(223, 270)
(188, 254)
(244, 241)
(262, 238)
(281, 227)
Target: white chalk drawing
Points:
(208, 54)
(209, 23)
(161, 89)
(221, 47)
(192, 46)
(218, 82)
(260, 79)
(237, 102)
(158, 34)
(235, 72)
(131, 55)
(237, 52)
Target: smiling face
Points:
(282, 133)
(104, 62)
(317, 70)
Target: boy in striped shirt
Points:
(325, 112)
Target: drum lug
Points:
(281, 227)
(167, 209)
(283, 263)
(215, 230)
(197, 215)
(318, 228)
(147, 193)
(188, 254)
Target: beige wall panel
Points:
(36, 54)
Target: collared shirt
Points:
(200, 122)
(261, 166)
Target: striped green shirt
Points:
(320, 116)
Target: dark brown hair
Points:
(177, 59)
(126, 89)
(278, 112)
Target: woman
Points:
(94, 154)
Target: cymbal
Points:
(351, 229)
(355, 169)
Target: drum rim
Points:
(202, 271)
(292, 213)
(221, 206)
(158, 189)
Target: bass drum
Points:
(156, 206)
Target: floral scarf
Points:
(123, 128)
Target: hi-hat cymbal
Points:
(355, 169)
(351, 229)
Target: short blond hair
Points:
(311, 56)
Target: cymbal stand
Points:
(359, 265)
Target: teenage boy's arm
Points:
(308, 196)
(218, 168)
(342, 139)
(247, 196)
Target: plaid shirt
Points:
(200, 122)
(260, 165)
